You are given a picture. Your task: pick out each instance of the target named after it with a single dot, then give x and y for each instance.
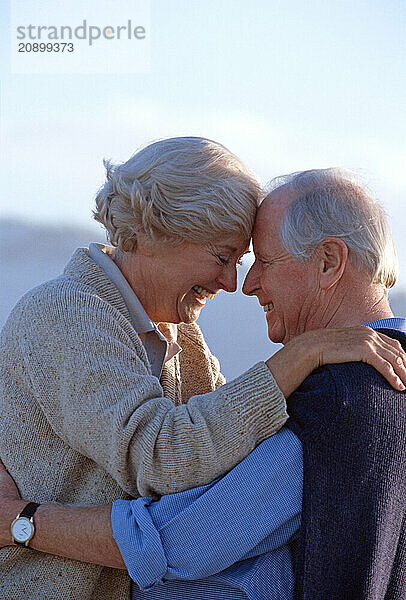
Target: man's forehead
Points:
(272, 209)
(269, 216)
(278, 200)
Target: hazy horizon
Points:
(233, 324)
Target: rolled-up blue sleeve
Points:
(253, 509)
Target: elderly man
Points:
(324, 258)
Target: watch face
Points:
(22, 529)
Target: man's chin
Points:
(275, 336)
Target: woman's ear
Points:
(145, 245)
(332, 253)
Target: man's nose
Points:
(250, 282)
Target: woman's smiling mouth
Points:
(202, 293)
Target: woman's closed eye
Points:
(226, 261)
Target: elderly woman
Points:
(108, 389)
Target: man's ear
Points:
(332, 253)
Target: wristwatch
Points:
(23, 528)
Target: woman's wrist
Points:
(9, 510)
(294, 362)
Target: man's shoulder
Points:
(334, 377)
(338, 381)
(359, 377)
(347, 393)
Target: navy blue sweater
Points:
(352, 425)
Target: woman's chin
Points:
(189, 308)
(190, 316)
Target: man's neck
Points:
(357, 313)
(362, 318)
(351, 303)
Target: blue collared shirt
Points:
(226, 540)
(193, 534)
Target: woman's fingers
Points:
(397, 356)
(387, 356)
(385, 368)
(364, 344)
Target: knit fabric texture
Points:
(84, 421)
(352, 425)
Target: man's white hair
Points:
(185, 188)
(333, 202)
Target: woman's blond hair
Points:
(185, 188)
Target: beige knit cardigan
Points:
(84, 421)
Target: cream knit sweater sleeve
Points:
(90, 375)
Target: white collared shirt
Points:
(159, 348)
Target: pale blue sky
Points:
(285, 85)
